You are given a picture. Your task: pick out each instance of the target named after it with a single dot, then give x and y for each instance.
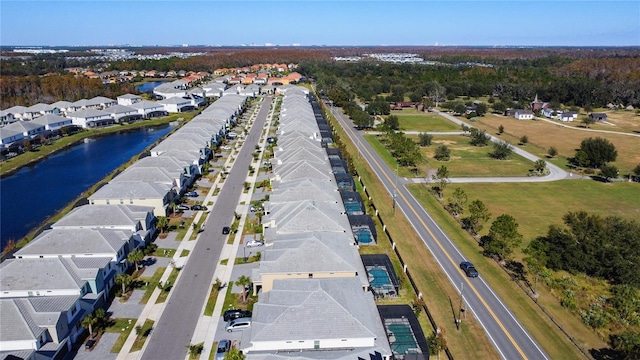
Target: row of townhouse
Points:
(174, 164)
(64, 274)
(20, 123)
(67, 271)
(314, 295)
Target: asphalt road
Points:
(507, 335)
(173, 332)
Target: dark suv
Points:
(469, 269)
(235, 314)
(225, 230)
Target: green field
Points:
(412, 120)
(535, 206)
(466, 160)
(473, 161)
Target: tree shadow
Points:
(605, 354)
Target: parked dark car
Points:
(199, 208)
(225, 230)
(235, 314)
(192, 194)
(90, 343)
(223, 347)
(469, 269)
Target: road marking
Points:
(493, 315)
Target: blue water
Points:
(32, 194)
(148, 87)
(405, 342)
(352, 207)
(364, 236)
(380, 277)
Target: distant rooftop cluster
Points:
(36, 50)
(396, 58)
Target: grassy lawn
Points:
(473, 161)
(172, 281)
(142, 336)
(122, 326)
(184, 253)
(164, 252)
(535, 206)
(211, 301)
(543, 135)
(153, 282)
(413, 120)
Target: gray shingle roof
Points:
(98, 216)
(37, 275)
(77, 242)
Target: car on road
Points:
(192, 194)
(469, 269)
(238, 324)
(89, 345)
(233, 314)
(225, 230)
(254, 243)
(223, 347)
(183, 207)
(199, 208)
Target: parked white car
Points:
(254, 243)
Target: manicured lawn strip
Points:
(142, 337)
(171, 280)
(184, 253)
(473, 161)
(122, 326)
(528, 314)
(536, 206)
(211, 301)
(470, 342)
(543, 135)
(420, 121)
(153, 282)
(230, 300)
(164, 252)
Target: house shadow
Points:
(605, 354)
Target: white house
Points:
(121, 113)
(7, 117)
(91, 118)
(29, 129)
(128, 99)
(148, 109)
(523, 114)
(10, 136)
(176, 104)
(53, 122)
(569, 116)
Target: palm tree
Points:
(163, 222)
(88, 323)
(135, 257)
(101, 316)
(244, 281)
(124, 280)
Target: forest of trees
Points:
(29, 90)
(554, 79)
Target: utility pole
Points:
(460, 307)
(395, 191)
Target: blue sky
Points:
(449, 22)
